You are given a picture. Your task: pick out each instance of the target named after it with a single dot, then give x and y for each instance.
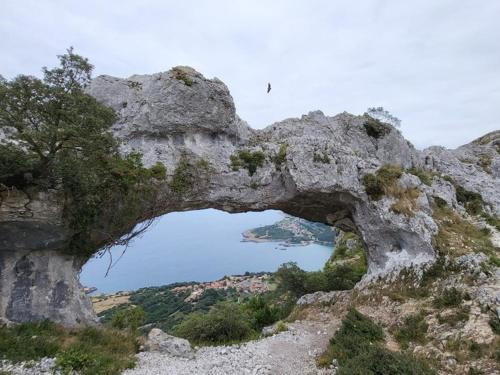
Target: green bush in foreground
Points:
(266, 309)
(89, 350)
(357, 346)
(131, 318)
(225, 323)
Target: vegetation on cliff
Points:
(57, 136)
(249, 160)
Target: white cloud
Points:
(435, 64)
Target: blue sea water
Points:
(197, 246)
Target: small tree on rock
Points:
(379, 113)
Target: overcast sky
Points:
(435, 64)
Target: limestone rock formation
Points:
(310, 167)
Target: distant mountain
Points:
(293, 231)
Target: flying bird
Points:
(268, 87)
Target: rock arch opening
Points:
(312, 168)
(206, 245)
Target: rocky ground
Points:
(290, 352)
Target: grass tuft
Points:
(88, 350)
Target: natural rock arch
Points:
(312, 168)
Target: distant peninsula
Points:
(292, 231)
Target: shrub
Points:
(440, 202)
(357, 346)
(413, 330)
(181, 73)
(131, 318)
(355, 336)
(291, 278)
(373, 186)
(375, 128)
(382, 182)
(315, 281)
(385, 182)
(248, 160)
(183, 178)
(186, 173)
(344, 276)
(473, 202)
(380, 361)
(73, 360)
(265, 309)
(389, 173)
(158, 171)
(225, 323)
(280, 158)
(451, 297)
(485, 163)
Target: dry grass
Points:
(406, 202)
(385, 182)
(457, 236)
(101, 304)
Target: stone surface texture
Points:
(180, 118)
(159, 341)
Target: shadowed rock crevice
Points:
(310, 167)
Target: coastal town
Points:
(253, 284)
(242, 284)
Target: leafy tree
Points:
(53, 118)
(292, 278)
(55, 135)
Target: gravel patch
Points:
(44, 366)
(287, 353)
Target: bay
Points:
(200, 246)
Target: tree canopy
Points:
(55, 135)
